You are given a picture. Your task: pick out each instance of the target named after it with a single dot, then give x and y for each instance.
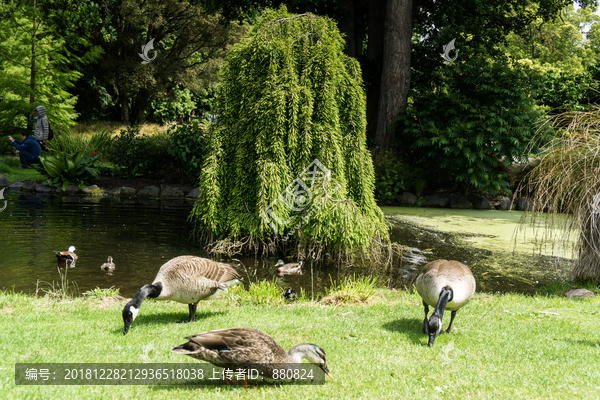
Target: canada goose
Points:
(186, 279)
(108, 266)
(290, 268)
(289, 294)
(66, 255)
(249, 348)
(447, 285)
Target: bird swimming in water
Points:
(67, 255)
(109, 265)
(289, 268)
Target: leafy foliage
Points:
(570, 90)
(179, 102)
(480, 116)
(35, 67)
(138, 155)
(389, 180)
(190, 45)
(62, 171)
(187, 143)
(289, 96)
(65, 142)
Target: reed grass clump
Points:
(351, 290)
(567, 181)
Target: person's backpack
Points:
(50, 132)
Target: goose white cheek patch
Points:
(134, 312)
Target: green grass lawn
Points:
(9, 166)
(504, 346)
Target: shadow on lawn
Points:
(410, 327)
(170, 318)
(584, 342)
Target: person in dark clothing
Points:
(29, 149)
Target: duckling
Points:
(290, 268)
(66, 255)
(249, 348)
(289, 294)
(186, 279)
(447, 285)
(109, 265)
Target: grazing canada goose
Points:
(447, 285)
(108, 266)
(289, 294)
(66, 255)
(249, 348)
(186, 279)
(290, 268)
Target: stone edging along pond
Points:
(459, 202)
(405, 200)
(94, 190)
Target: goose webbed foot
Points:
(449, 330)
(425, 328)
(192, 317)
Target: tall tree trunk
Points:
(351, 25)
(124, 106)
(374, 58)
(395, 74)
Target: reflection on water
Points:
(142, 235)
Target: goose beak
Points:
(326, 370)
(431, 340)
(126, 329)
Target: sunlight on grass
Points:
(9, 166)
(502, 346)
(351, 290)
(91, 127)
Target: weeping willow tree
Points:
(567, 181)
(287, 166)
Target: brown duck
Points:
(249, 348)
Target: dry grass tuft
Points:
(567, 181)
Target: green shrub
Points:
(179, 101)
(187, 144)
(65, 142)
(64, 170)
(389, 181)
(138, 155)
(474, 117)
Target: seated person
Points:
(29, 149)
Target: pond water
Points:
(142, 235)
